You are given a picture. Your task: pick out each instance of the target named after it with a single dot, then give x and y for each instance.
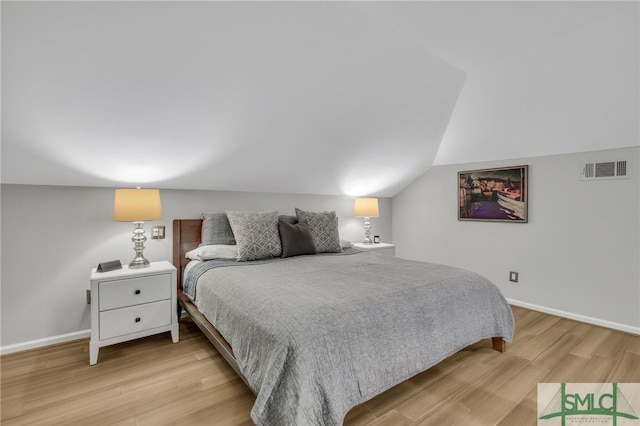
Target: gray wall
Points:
(577, 256)
(53, 235)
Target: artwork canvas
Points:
(496, 195)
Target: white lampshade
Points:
(137, 205)
(366, 207)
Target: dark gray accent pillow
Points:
(287, 218)
(324, 230)
(296, 239)
(216, 229)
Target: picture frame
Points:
(494, 195)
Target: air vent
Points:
(604, 170)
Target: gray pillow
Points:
(324, 230)
(216, 230)
(288, 218)
(256, 234)
(296, 239)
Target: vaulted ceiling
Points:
(355, 98)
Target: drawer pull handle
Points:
(138, 319)
(138, 292)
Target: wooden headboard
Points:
(187, 234)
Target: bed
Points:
(315, 335)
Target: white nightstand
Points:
(384, 248)
(128, 304)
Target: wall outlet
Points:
(513, 277)
(88, 297)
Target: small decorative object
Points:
(496, 195)
(376, 239)
(112, 265)
(366, 208)
(137, 206)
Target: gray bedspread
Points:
(317, 335)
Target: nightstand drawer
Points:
(380, 248)
(134, 291)
(388, 251)
(118, 322)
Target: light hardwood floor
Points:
(153, 382)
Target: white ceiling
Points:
(308, 97)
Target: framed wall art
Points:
(495, 195)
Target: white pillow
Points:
(346, 244)
(215, 251)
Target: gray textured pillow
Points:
(296, 239)
(216, 230)
(323, 228)
(256, 234)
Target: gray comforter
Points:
(318, 335)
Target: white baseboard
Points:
(582, 318)
(47, 341)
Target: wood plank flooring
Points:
(153, 382)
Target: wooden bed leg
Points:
(498, 344)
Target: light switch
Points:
(157, 232)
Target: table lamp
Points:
(137, 206)
(367, 208)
